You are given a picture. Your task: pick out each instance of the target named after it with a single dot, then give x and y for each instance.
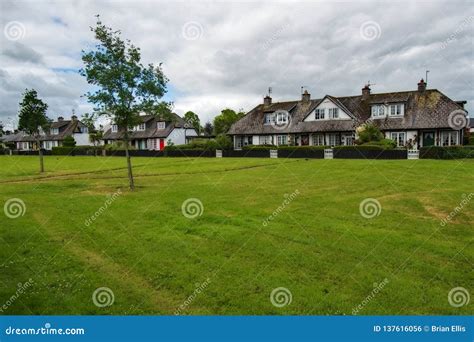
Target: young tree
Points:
(33, 119)
(192, 119)
(69, 141)
(124, 86)
(223, 121)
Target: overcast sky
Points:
(227, 54)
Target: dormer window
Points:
(114, 128)
(160, 125)
(378, 111)
(319, 114)
(268, 119)
(54, 131)
(141, 127)
(282, 118)
(396, 109)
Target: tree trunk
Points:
(40, 153)
(129, 166)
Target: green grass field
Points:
(229, 259)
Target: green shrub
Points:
(368, 132)
(360, 147)
(471, 139)
(447, 152)
(117, 146)
(259, 147)
(79, 150)
(69, 141)
(386, 143)
(224, 142)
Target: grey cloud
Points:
(19, 52)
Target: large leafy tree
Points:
(124, 87)
(33, 119)
(192, 119)
(223, 121)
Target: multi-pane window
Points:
(319, 114)
(282, 118)
(265, 140)
(282, 140)
(160, 125)
(333, 113)
(399, 138)
(318, 139)
(54, 131)
(114, 128)
(378, 110)
(449, 138)
(334, 139)
(141, 127)
(268, 119)
(396, 109)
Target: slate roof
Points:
(65, 128)
(428, 109)
(151, 130)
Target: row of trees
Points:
(220, 125)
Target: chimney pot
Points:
(60, 118)
(305, 97)
(366, 92)
(73, 118)
(421, 86)
(267, 100)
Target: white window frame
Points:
(265, 140)
(319, 113)
(140, 127)
(114, 128)
(334, 139)
(282, 140)
(282, 118)
(452, 138)
(161, 125)
(396, 109)
(333, 113)
(399, 137)
(54, 131)
(318, 139)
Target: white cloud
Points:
(243, 48)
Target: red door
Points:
(162, 144)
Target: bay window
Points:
(334, 139)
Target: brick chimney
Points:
(365, 92)
(267, 100)
(73, 118)
(421, 86)
(305, 97)
(60, 118)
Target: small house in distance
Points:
(58, 130)
(154, 133)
